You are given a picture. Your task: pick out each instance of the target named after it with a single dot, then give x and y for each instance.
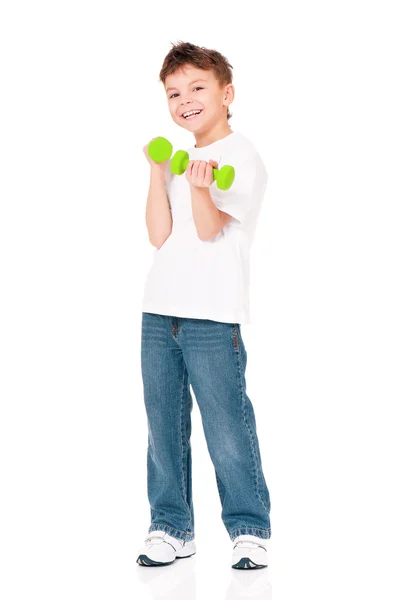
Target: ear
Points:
(229, 93)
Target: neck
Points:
(209, 136)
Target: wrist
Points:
(158, 172)
(199, 190)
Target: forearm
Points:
(158, 215)
(205, 213)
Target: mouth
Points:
(191, 115)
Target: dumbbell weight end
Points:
(224, 177)
(160, 149)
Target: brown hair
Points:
(184, 53)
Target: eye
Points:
(195, 88)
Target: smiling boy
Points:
(196, 297)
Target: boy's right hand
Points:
(154, 165)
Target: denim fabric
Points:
(210, 356)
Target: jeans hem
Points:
(188, 536)
(261, 533)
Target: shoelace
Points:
(154, 537)
(248, 544)
(159, 539)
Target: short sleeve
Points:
(246, 191)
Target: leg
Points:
(168, 404)
(216, 359)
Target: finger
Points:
(188, 171)
(192, 172)
(209, 175)
(196, 167)
(202, 169)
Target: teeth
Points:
(191, 112)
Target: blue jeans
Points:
(177, 352)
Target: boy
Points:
(196, 298)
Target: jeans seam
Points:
(184, 483)
(245, 528)
(170, 527)
(243, 406)
(235, 337)
(218, 480)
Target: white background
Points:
(316, 92)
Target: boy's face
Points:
(184, 93)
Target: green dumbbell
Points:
(161, 150)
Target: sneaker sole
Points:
(246, 563)
(145, 561)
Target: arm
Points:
(212, 212)
(158, 215)
(208, 219)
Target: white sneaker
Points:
(249, 552)
(160, 548)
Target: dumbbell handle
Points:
(160, 150)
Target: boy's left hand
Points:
(200, 173)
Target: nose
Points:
(186, 97)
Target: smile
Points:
(191, 114)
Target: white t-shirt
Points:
(209, 279)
